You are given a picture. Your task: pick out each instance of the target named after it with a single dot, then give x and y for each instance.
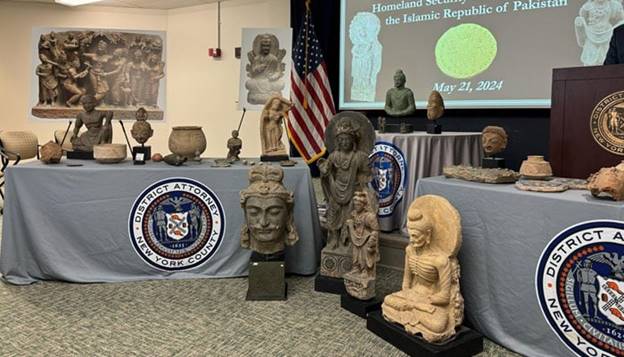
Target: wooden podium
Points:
(575, 93)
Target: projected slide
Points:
(477, 53)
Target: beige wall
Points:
(200, 90)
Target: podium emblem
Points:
(607, 123)
(389, 175)
(580, 287)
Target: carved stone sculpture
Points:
(272, 128)
(494, 140)
(349, 139)
(141, 129)
(478, 174)
(234, 145)
(121, 70)
(400, 100)
(435, 106)
(265, 69)
(98, 124)
(594, 27)
(268, 208)
(608, 183)
(51, 153)
(363, 229)
(366, 54)
(430, 302)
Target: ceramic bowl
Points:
(109, 153)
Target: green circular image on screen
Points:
(465, 50)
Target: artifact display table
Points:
(425, 155)
(504, 233)
(74, 223)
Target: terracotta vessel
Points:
(23, 143)
(109, 153)
(535, 167)
(187, 141)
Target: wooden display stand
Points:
(575, 93)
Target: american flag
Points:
(313, 104)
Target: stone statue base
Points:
(359, 286)
(329, 285)
(273, 158)
(267, 277)
(434, 128)
(466, 342)
(359, 307)
(399, 128)
(80, 155)
(145, 150)
(335, 263)
(46, 112)
(493, 163)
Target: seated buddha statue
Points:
(430, 302)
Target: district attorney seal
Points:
(176, 224)
(607, 123)
(580, 287)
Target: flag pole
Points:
(307, 40)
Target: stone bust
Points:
(400, 100)
(435, 106)
(268, 209)
(141, 129)
(430, 302)
(494, 140)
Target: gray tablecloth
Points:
(504, 232)
(71, 223)
(426, 155)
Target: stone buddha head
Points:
(494, 140)
(399, 79)
(267, 205)
(419, 227)
(435, 106)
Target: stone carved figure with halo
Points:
(265, 70)
(430, 302)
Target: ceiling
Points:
(140, 4)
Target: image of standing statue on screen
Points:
(367, 56)
(265, 69)
(121, 71)
(594, 27)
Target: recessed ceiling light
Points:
(75, 2)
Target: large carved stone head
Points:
(435, 106)
(267, 205)
(347, 136)
(494, 140)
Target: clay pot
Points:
(23, 143)
(109, 153)
(187, 141)
(536, 168)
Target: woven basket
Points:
(23, 143)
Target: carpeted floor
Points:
(201, 317)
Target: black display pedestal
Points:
(273, 158)
(326, 284)
(80, 155)
(433, 128)
(396, 128)
(467, 342)
(267, 277)
(145, 150)
(493, 163)
(360, 307)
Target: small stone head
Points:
(435, 106)
(399, 79)
(235, 134)
(494, 140)
(141, 114)
(267, 205)
(88, 102)
(360, 200)
(419, 227)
